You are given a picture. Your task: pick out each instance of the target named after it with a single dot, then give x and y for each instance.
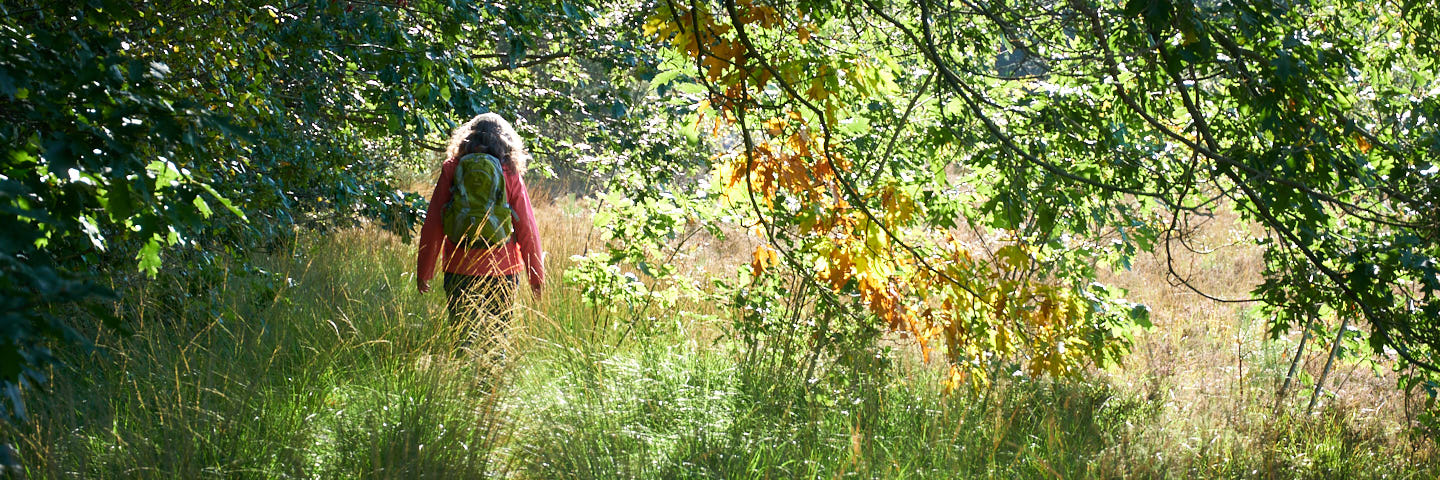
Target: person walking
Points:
(481, 220)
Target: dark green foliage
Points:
(134, 131)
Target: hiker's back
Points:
(479, 214)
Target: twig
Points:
(1295, 362)
(1334, 349)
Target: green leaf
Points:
(1044, 218)
(202, 207)
(149, 256)
(164, 173)
(955, 106)
(225, 202)
(855, 126)
(664, 77)
(1134, 7)
(691, 88)
(119, 202)
(1140, 314)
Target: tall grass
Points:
(332, 366)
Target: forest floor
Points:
(329, 364)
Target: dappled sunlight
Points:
(868, 239)
(334, 365)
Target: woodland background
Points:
(935, 239)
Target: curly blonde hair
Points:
(489, 133)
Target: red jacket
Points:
(502, 260)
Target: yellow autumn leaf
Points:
(764, 258)
(817, 91)
(652, 26)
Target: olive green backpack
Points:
(478, 215)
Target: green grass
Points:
(336, 368)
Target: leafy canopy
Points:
(959, 169)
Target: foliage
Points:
(137, 131)
(960, 169)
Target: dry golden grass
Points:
(1217, 374)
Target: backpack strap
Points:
(457, 182)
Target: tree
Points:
(136, 131)
(961, 166)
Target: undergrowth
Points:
(325, 363)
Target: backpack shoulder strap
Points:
(457, 180)
(500, 182)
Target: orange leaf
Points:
(765, 257)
